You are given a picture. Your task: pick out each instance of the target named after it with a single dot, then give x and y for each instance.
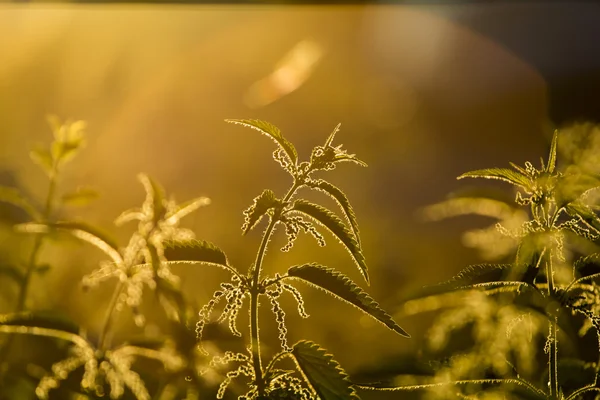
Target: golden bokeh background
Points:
(421, 98)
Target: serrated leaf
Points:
(261, 204)
(479, 273)
(16, 198)
(50, 319)
(552, 156)
(503, 174)
(195, 250)
(342, 287)
(81, 197)
(335, 226)
(324, 375)
(273, 132)
(81, 231)
(341, 199)
(273, 374)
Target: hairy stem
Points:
(254, 294)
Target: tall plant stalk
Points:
(255, 293)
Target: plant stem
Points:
(553, 350)
(109, 314)
(254, 294)
(37, 244)
(32, 262)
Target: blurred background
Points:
(423, 93)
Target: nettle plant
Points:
(549, 288)
(104, 368)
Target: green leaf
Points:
(503, 174)
(273, 132)
(16, 198)
(342, 287)
(81, 197)
(50, 319)
(479, 273)
(337, 227)
(43, 158)
(13, 272)
(81, 231)
(552, 156)
(195, 250)
(324, 375)
(340, 197)
(261, 204)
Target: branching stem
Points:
(254, 294)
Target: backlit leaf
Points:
(273, 132)
(325, 376)
(341, 199)
(342, 287)
(503, 174)
(335, 226)
(195, 250)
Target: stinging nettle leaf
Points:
(16, 198)
(479, 273)
(273, 132)
(342, 287)
(195, 250)
(340, 197)
(261, 204)
(503, 174)
(337, 227)
(325, 375)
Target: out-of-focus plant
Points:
(107, 368)
(549, 287)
